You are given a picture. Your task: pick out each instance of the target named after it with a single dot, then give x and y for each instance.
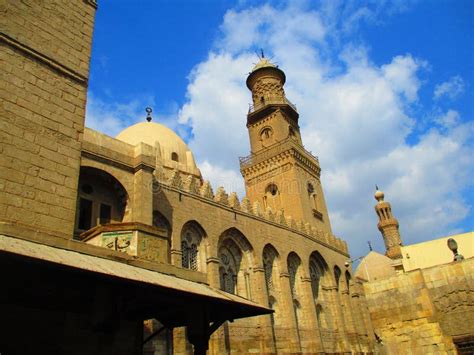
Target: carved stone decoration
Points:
(269, 214)
(307, 228)
(190, 185)
(206, 190)
(280, 217)
(245, 205)
(290, 222)
(234, 201)
(221, 196)
(175, 179)
(300, 226)
(257, 209)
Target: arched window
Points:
(313, 201)
(102, 199)
(266, 133)
(191, 239)
(235, 263)
(230, 257)
(348, 280)
(270, 199)
(269, 259)
(337, 276)
(315, 274)
(174, 156)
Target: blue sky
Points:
(384, 89)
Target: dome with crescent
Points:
(171, 149)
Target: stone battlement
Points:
(193, 186)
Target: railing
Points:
(273, 150)
(271, 100)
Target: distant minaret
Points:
(388, 226)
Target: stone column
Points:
(217, 344)
(362, 322)
(310, 343)
(142, 210)
(288, 335)
(333, 298)
(176, 256)
(348, 314)
(260, 295)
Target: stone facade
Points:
(424, 311)
(45, 52)
(420, 301)
(262, 255)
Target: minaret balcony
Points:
(288, 144)
(272, 100)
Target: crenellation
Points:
(206, 190)
(175, 179)
(280, 217)
(257, 209)
(234, 201)
(245, 205)
(268, 214)
(221, 196)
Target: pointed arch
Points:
(193, 246)
(270, 258)
(101, 199)
(348, 280)
(294, 263)
(337, 276)
(317, 270)
(236, 259)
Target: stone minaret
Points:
(280, 173)
(388, 226)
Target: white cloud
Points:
(449, 119)
(451, 88)
(112, 116)
(353, 114)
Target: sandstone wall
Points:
(45, 51)
(420, 312)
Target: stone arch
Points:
(321, 284)
(318, 273)
(337, 276)
(236, 259)
(294, 272)
(270, 258)
(102, 199)
(193, 246)
(321, 316)
(348, 280)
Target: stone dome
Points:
(379, 195)
(263, 63)
(174, 151)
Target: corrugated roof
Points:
(117, 269)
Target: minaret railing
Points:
(273, 150)
(271, 100)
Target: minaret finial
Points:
(148, 114)
(263, 54)
(376, 187)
